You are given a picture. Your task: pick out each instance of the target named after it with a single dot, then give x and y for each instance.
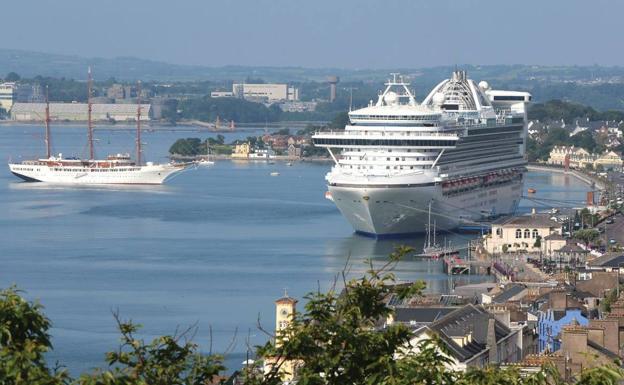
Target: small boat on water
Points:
(532, 190)
(289, 164)
(204, 163)
(274, 173)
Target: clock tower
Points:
(284, 311)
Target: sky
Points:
(323, 33)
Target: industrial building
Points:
(221, 94)
(78, 112)
(265, 92)
(11, 93)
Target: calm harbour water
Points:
(215, 246)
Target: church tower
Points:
(284, 312)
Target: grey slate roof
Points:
(508, 293)
(533, 220)
(469, 318)
(572, 248)
(421, 314)
(608, 260)
(603, 350)
(554, 237)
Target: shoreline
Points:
(194, 125)
(589, 180)
(278, 158)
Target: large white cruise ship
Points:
(459, 155)
(114, 169)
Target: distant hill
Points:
(596, 86)
(30, 64)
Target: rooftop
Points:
(554, 237)
(613, 260)
(421, 314)
(572, 248)
(508, 293)
(77, 108)
(532, 220)
(467, 319)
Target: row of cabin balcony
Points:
(384, 152)
(350, 131)
(389, 159)
(385, 143)
(383, 169)
(431, 117)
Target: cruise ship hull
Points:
(398, 211)
(150, 174)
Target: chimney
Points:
(491, 341)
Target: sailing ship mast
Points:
(138, 126)
(428, 228)
(47, 126)
(89, 123)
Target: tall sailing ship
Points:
(458, 156)
(115, 169)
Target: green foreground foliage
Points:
(334, 341)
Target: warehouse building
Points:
(78, 112)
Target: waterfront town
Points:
(556, 298)
(303, 193)
(552, 291)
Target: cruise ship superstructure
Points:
(459, 154)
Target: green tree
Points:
(207, 109)
(166, 360)
(187, 147)
(335, 338)
(12, 77)
(170, 110)
(340, 121)
(24, 341)
(587, 235)
(335, 341)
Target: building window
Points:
(518, 233)
(499, 232)
(527, 233)
(535, 234)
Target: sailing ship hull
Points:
(149, 174)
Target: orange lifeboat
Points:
(532, 190)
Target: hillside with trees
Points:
(208, 109)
